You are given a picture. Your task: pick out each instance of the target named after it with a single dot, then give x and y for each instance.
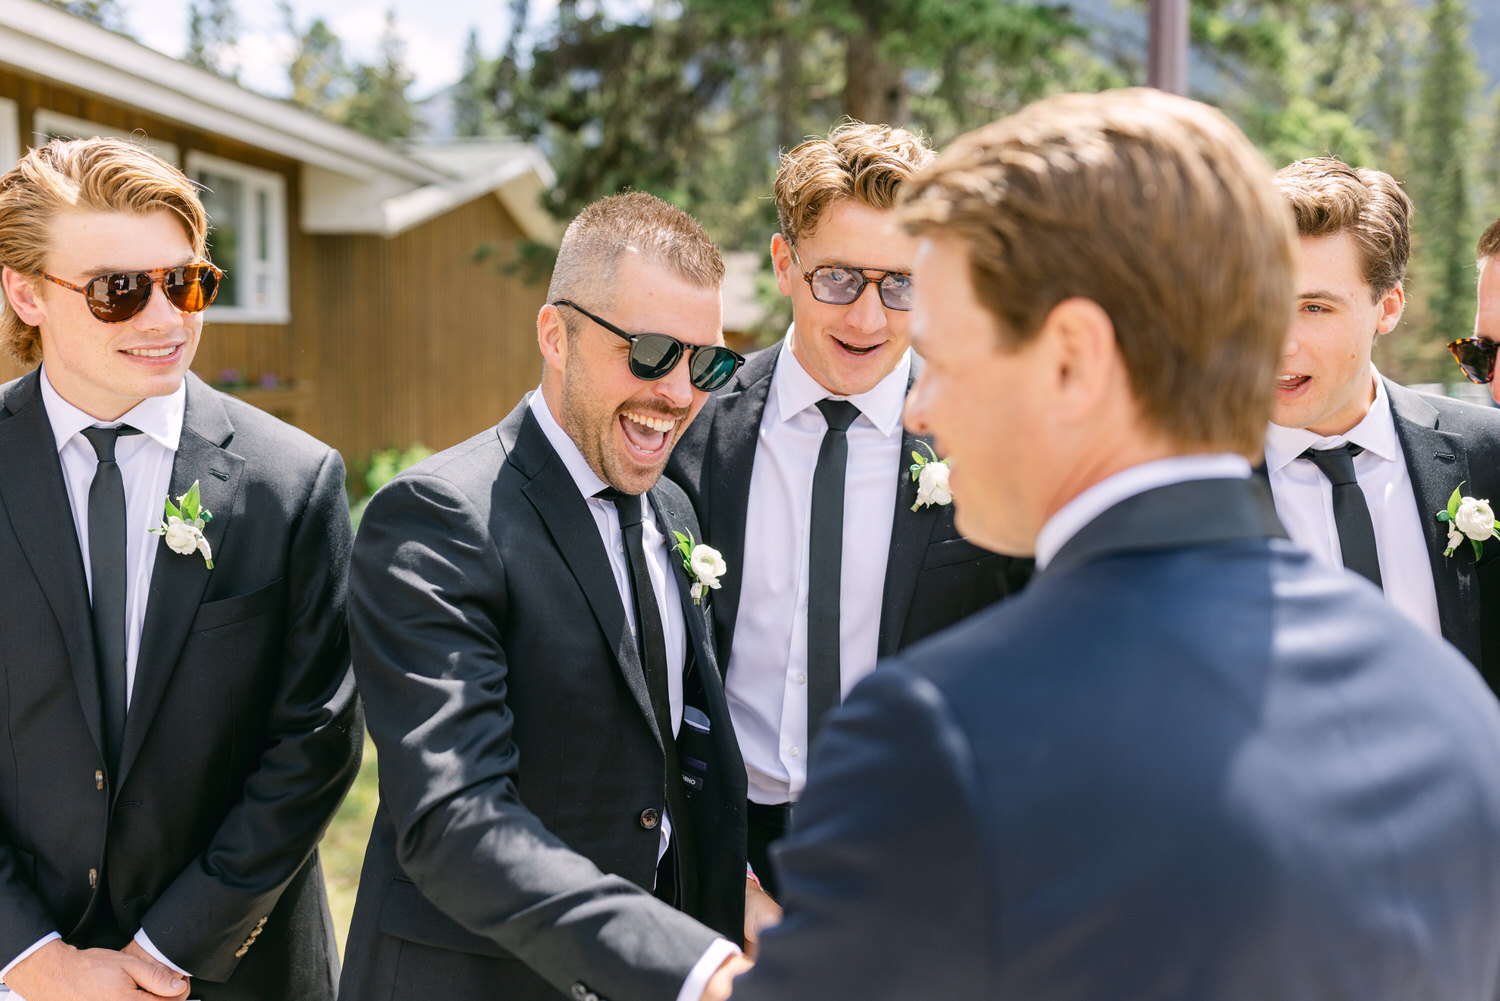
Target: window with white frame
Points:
(247, 239)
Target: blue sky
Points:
(434, 32)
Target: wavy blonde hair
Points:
(866, 163)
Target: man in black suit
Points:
(833, 559)
(1189, 761)
(562, 800)
(180, 718)
(1360, 467)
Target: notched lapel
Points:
(1437, 462)
(565, 513)
(674, 519)
(36, 501)
(910, 533)
(178, 581)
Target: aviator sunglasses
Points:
(116, 297)
(839, 285)
(654, 355)
(1476, 356)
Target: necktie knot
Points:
(838, 413)
(103, 439)
(628, 505)
(1336, 463)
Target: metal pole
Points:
(1168, 66)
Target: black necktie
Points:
(651, 642)
(1351, 515)
(107, 534)
(825, 563)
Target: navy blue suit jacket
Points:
(1187, 762)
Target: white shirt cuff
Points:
(697, 979)
(144, 941)
(5, 970)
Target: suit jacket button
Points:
(650, 818)
(98, 778)
(93, 879)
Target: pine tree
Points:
(473, 100)
(213, 31)
(320, 79)
(379, 106)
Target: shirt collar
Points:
(1071, 518)
(588, 482)
(1375, 433)
(797, 391)
(157, 417)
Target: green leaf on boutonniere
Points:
(1454, 501)
(684, 546)
(174, 510)
(1478, 548)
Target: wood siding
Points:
(391, 341)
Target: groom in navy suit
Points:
(1189, 761)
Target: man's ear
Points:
(22, 295)
(552, 337)
(1085, 358)
(783, 265)
(1391, 306)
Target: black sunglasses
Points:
(841, 285)
(654, 355)
(116, 297)
(1476, 356)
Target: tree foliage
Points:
(106, 13)
(379, 106)
(474, 111)
(213, 31)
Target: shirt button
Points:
(650, 818)
(793, 752)
(801, 679)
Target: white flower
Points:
(1455, 539)
(183, 536)
(932, 484)
(1475, 519)
(707, 565)
(697, 592)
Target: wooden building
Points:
(364, 300)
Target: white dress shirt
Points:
(767, 672)
(659, 555)
(1304, 501)
(145, 462)
(1072, 517)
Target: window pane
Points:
(262, 225)
(224, 198)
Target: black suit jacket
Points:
(518, 751)
(933, 576)
(243, 732)
(1188, 762)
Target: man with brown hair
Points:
(1359, 466)
(801, 470)
(1189, 761)
(179, 717)
(561, 799)
(1476, 355)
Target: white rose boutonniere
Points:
(704, 564)
(182, 524)
(1469, 518)
(931, 477)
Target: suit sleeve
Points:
(882, 875)
(428, 609)
(310, 758)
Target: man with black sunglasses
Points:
(1476, 355)
(1361, 467)
(833, 517)
(562, 799)
(180, 720)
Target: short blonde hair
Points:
(866, 163)
(589, 256)
(84, 175)
(1154, 207)
(1329, 197)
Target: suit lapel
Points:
(731, 455)
(674, 519)
(36, 501)
(563, 510)
(1437, 462)
(178, 581)
(910, 533)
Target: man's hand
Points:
(134, 948)
(761, 912)
(721, 983)
(59, 972)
